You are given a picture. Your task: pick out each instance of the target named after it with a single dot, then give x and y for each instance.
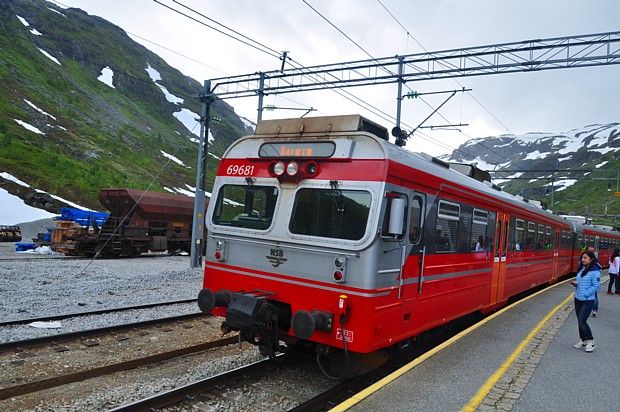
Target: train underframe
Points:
(113, 241)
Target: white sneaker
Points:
(590, 346)
(579, 344)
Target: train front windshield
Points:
(333, 213)
(330, 213)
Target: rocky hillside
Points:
(579, 167)
(83, 106)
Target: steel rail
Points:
(94, 312)
(35, 386)
(15, 345)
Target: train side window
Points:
(415, 215)
(479, 226)
(548, 239)
(563, 240)
(604, 244)
(447, 227)
(540, 238)
(531, 236)
(519, 234)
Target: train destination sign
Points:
(297, 149)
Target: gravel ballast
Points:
(38, 286)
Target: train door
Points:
(498, 275)
(556, 254)
(412, 268)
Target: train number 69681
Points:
(240, 170)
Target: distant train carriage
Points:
(141, 221)
(323, 233)
(10, 234)
(604, 241)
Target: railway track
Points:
(37, 368)
(95, 312)
(55, 381)
(90, 333)
(290, 383)
(267, 385)
(33, 257)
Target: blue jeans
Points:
(595, 308)
(613, 277)
(583, 309)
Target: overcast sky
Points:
(548, 101)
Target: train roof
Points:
(322, 124)
(122, 201)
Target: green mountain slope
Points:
(65, 131)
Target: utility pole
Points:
(198, 228)
(553, 177)
(617, 179)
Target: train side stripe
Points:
(323, 286)
(343, 288)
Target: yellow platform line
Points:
(358, 397)
(475, 402)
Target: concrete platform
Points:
(520, 359)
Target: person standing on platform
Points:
(587, 283)
(595, 307)
(614, 269)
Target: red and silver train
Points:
(321, 232)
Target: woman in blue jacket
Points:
(588, 283)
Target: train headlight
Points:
(292, 168)
(311, 169)
(278, 168)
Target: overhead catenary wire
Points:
(273, 53)
(423, 135)
(459, 83)
(349, 96)
(343, 93)
(256, 46)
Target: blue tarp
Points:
(22, 247)
(83, 217)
